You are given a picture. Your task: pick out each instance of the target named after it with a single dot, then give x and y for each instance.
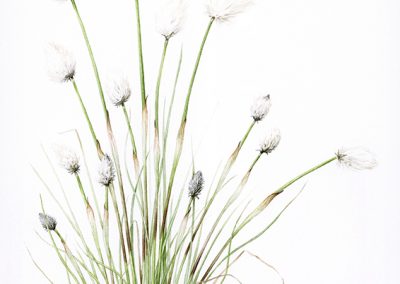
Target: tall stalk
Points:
(260, 208)
(110, 136)
(181, 132)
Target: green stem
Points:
(92, 223)
(106, 235)
(160, 71)
(132, 137)
(140, 51)
(92, 132)
(230, 201)
(191, 246)
(70, 256)
(94, 65)
(181, 132)
(109, 128)
(196, 66)
(62, 259)
(261, 207)
(120, 230)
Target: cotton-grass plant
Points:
(157, 226)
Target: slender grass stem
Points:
(92, 132)
(109, 131)
(70, 256)
(63, 260)
(140, 53)
(72, 221)
(106, 234)
(132, 138)
(157, 168)
(229, 202)
(120, 230)
(228, 165)
(192, 236)
(89, 48)
(181, 132)
(261, 208)
(92, 222)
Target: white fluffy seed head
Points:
(170, 17)
(48, 222)
(260, 107)
(270, 142)
(357, 158)
(61, 64)
(106, 171)
(225, 10)
(67, 158)
(119, 91)
(196, 185)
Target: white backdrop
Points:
(332, 69)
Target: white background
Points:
(332, 69)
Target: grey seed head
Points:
(196, 185)
(48, 222)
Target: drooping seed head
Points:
(225, 10)
(119, 91)
(270, 142)
(260, 107)
(67, 158)
(106, 171)
(196, 185)
(48, 222)
(170, 17)
(357, 158)
(61, 64)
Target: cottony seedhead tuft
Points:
(119, 91)
(357, 158)
(224, 10)
(170, 17)
(106, 171)
(68, 159)
(196, 185)
(48, 222)
(260, 107)
(270, 142)
(61, 63)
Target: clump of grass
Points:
(156, 244)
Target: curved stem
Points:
(260, 208)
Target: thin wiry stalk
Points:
(89, 122)
(255, 237)
(93, 61)
(92, 222)
(140, 52)
(230, 162)
(231, 199)
(64, 262)
(261, 208)
(230, 243)
(110, 134)
(73, 222)
(120, 230)
(181, 132)
(106, 233)
(56, 248)
(157, 145)
(39, 268)
(132, 138)
(192, 236)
